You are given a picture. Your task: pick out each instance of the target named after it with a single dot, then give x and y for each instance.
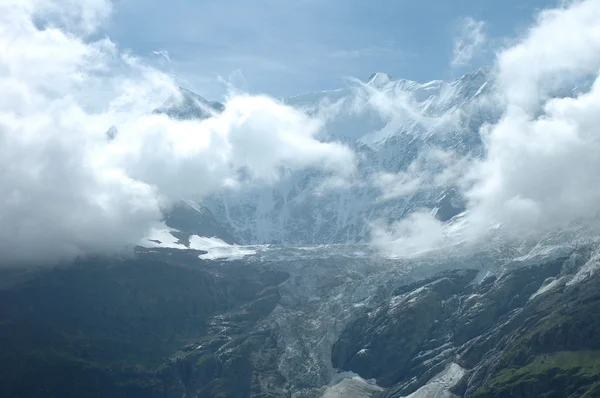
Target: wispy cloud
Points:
(162, 53)
(434, 168)
(471, 37)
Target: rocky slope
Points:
(279, 322)
(528, 332)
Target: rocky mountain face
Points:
(529, 332)
(191, 219)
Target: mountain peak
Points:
(189, 105)
(379, 78)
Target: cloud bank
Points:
(542, 157)
(433, 169)
(66, 189)
(539, 173)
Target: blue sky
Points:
(288, 47)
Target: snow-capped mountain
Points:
(405, 135)
(189, 105)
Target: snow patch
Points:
(590, 268)
(161, 237)
(218, 249)
(350, 385)
(481, 89)
(549, 286)
(438, 386)
(541, 251)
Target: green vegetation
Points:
(574, 373)
(557, 354)
(575, 363)
(522, 350)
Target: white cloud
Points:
(433, 169)
(79, 16)
(403, 109)
(558, 51)
(66, 190)
(258, 135)
(162, 53)
(539, 173)
(540, 169)
(418, 233)
(397, 185)
(470, 39)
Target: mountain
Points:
(210, 305)
(188, 105)
(190, 219)
(530, 332)
(394, 126)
